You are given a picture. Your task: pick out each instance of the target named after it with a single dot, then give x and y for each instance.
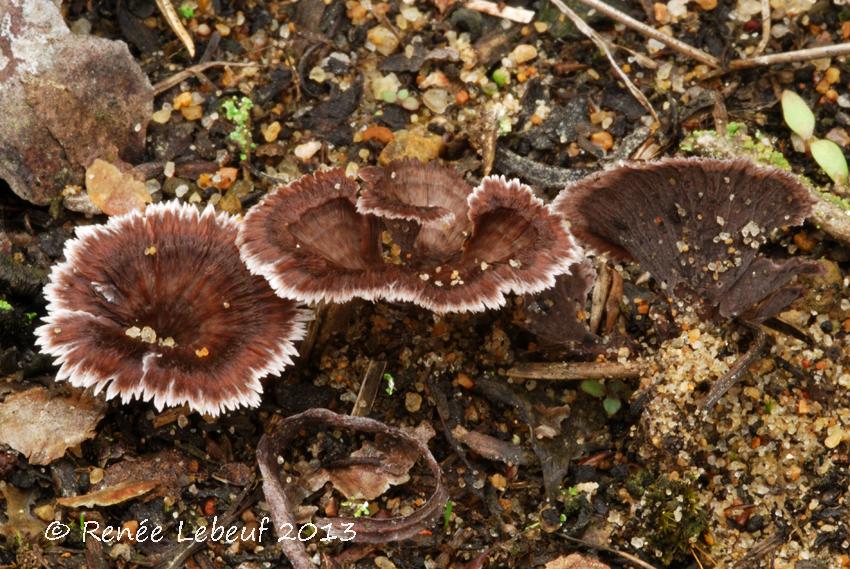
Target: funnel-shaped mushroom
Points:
(417, 233)
(309, 241)
(517, 245)
(697, 225)
(158, 305)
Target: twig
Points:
(175, 79)
(173, 20)
(731, 377)
(669, 41)
(603, 45)
(628, 556)
(821, 52)
(765, 28)
(574, 371)
(369, 388)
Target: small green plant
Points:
(239, 113)
(5, 306)
(358, 509)
(610, 393)
(30, 316)
(390, 389)
(447, 514)
(828, 155)
(186, 11)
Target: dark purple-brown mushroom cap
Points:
(517, 245)
(309, 241)
(157, 305)
(415, 233)
(697, 225)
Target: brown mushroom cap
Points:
(308, 240)
(426, 245)
(696, 224)
(157, 305)
(518, 245)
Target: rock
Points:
(437, 100)
(66, 99)
(523, 53)
(306, 151)
(412, 144)
(383, 39)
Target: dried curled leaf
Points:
(109, 496)
(279, 496)
(42, 424)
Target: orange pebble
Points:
(380, 133)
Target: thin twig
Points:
(731, 377)
(821, 52)
(175, 79)
(369, 388)
(765, 28)
(173, 21)
(603, 45)
(669, 41)
(628, 556)
(574, 371)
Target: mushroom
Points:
(415, 233)
(556, 315)
(310, 242)
(698, 226)
(157, 305)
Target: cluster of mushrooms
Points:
(179, 306)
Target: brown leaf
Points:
(168, 467)
(20, 522)
(42, 425)
(385, 463)
(114, 191)
(110, 495)
(66, 99)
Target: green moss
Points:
(669, 519)
(835, 200)
(733, 143)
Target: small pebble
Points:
(523, 53)
(437, 100)
(412, 402)
(383, 39)
(307, 150)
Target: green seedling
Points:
(830, 158)
(186, 11)
(798, 116)
(610, 393)
(828, 155)
(447, 514)
(238, 112)
(359, 509)
(5, 306)
(390, 389)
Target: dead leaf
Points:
(576, 561)
(367, 530)
(385, 463)
(110, 495)
(42, 425)
(20, 521)
(65, 100)
(169, 468)
(114, 191)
